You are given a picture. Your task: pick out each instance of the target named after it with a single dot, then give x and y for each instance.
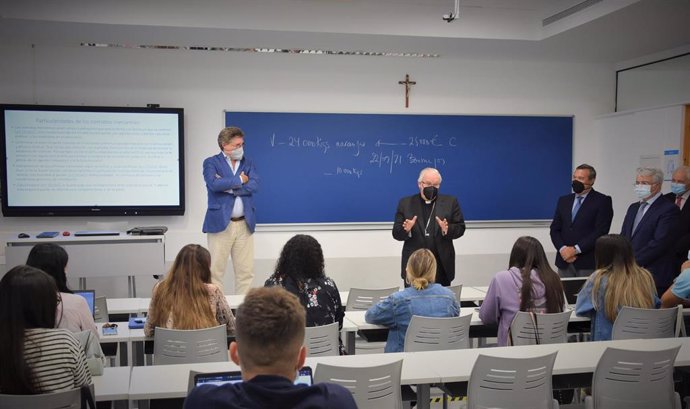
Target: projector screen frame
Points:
(47, 210)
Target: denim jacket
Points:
(601, 326)
(397, 310)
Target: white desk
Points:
(127, 305)
(572, 359)
(168, 381)
(99, 256)
(172, 381)
(122, 338)
(113, 385)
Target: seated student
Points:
(618, 281)
(300, 270)
(35, 356)
(530, 284)
(679, 293)
(185, 298)
(423, 297)
(269, 351)
(73, 313)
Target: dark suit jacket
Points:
(592, 221)
(447, 207)
(653, 240)
(682, 245)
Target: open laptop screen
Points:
(221, 378)
(571, 287)
(90, 296)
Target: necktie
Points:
(638, 216)
(578, 203)
(679, 201)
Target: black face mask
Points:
(578, 187)
(430, 192)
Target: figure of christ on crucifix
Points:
(407, 83)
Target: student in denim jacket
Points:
(617, 282)
(423, 298)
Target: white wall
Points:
(662, 83)
(206, 83)
(622, 139)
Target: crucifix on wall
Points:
(408, 84)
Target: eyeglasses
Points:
(645, 183)
(109, 325)
(427, 184)
(233, 147)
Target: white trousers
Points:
(237, 242)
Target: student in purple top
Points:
(270, 331)
(530, 284)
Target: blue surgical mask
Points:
(237, 154)
(678, 188)
(643, 191)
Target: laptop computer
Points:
(304, 377)
(90, 296)
(571, 287)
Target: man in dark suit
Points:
(430, 220)
(580, 219)
(652, 225)
(680, 192)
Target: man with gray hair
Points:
(429, 220)
(680, 192)
(652, 225)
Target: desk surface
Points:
(572, 358)
(171, 381)
(113, 384)
(141, 305)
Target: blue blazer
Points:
(653, 241)
(592, 221)
(219, 179)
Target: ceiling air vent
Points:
(569, 12)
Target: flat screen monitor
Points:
(90, 296)
(91, 161)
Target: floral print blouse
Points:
(319, 296)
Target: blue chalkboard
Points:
(330, 168)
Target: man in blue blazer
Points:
(580, 219)
(231, 181)
(652, 225)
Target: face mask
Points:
(578, 187)
(237, 154)
(643, 191)
(430, 192)
(678, 188)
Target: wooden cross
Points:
(407, 83)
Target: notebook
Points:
(304, 377)
(90, 296)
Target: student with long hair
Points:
(423, 297)
(186, 298)
(300, 270)
(618, 282)
(72, 313)
(529, 284)
(36, 357)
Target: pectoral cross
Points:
(407, 83)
